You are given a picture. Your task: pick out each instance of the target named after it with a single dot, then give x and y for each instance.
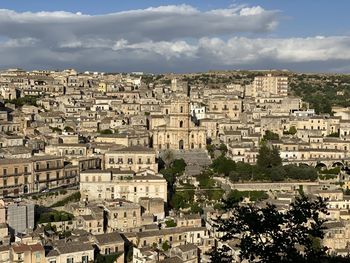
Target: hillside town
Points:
(134, 167)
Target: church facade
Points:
(179, 132)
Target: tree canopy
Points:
(268, 157)
(267, 235)
(270, 136)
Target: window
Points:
(25, 169)
(47, 176)
(5, 171)
(135, 189)
(57, 175)
(16, 170)
(181, 109)
(70, 260)
(181, 124)
(125, 215)
(16, 181)
(47, 165)
(5, 182)
(85, 259)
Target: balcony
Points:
(41, 169)
(15, 174)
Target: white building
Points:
(198, 111)
(117, 184)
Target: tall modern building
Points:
(269, 85)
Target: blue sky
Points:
(292, 29)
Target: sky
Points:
(175, 36)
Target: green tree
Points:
(170, 223)
(267, 235)
(292, 130)
(268, 157)
(179, 166)
(223, 149)
(270, 136)
(223, 165)
(165, 246)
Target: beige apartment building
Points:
(118, 184)
(70, 251)
(123, 216)
(30, 175)
(229, 107)
(133, 158)
(268, 85)
(28, 253)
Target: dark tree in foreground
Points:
(221, 255)
(267, 235)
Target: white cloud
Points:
(166, 38)
(162, 23)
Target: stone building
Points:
(30, 175)
(268, 85)
(123, 216)
(179, 133)
(117, 184)
(135, 158)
